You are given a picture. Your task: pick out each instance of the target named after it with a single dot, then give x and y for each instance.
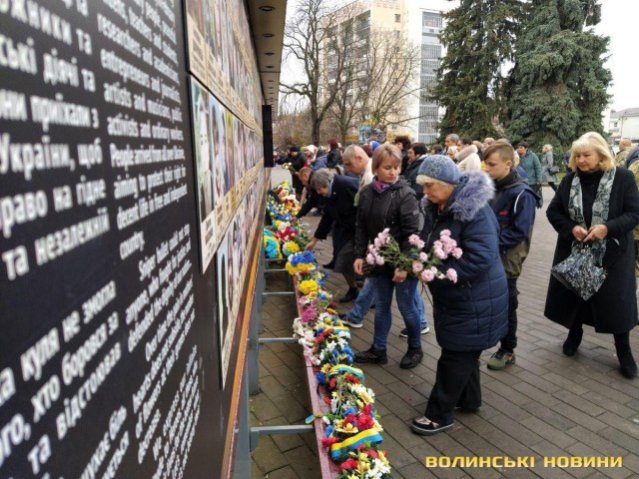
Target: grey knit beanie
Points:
(438, 168)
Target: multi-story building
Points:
(424, 24)
(624, 124)
(419, 23)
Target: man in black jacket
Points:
(313, 200)
(339, 216)
(403, 143)
(416, 156)
(296, 159)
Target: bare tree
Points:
(308, 43)
(348, 44)
(347, 105)
(292, 127)
(349, 73)
(379, 79)
(391, 74)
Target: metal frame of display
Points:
(248, 437)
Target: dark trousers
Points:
(509, 342)
(456, 384)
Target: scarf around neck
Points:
(380, 186)
(600, 207)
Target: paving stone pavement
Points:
(545, 406)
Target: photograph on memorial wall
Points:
(238, 157)
(218, 20)
(230, 147)
(198, 51)
(204, 149)
(222, 57)
(235, 257)
(231, 271)
(218, 121)
(225, 154)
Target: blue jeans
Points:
(363, 303)
(405, 295)
(366, 298)
(421, 310)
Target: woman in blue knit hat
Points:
(470, 314)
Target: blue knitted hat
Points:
(438, 168)
(374, 145)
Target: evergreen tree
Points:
(479, 36)
(557, 89)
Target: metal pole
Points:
(286, 340)
(253, 365)
(242, 460)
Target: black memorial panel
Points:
(102, 362)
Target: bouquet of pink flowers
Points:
(425, 266)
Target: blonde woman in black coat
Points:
(579, 213)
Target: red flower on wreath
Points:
(322, 336)
(349, 464)
(285, 234)
(364, 422)
(327, 441)
(350, 419)
(351, 378)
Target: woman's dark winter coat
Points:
(339, 212)
(470, 315)
(613, 309)
(395, 208)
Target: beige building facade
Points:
(418, 24)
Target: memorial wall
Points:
(131, 192)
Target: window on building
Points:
(427, 83)
(431, 51)
(398, 18)
(428, 138)
(347, 32)
(363, 21)
(428, 112)
(430, 39)
(431, 19)
(429, 66)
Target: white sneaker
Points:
(404, 332)
(351, 323)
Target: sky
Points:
(619, 21)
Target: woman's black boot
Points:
(572, 342)
(627, 363)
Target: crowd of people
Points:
(485, 195)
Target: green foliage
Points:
(479, 36)
(557, 89)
